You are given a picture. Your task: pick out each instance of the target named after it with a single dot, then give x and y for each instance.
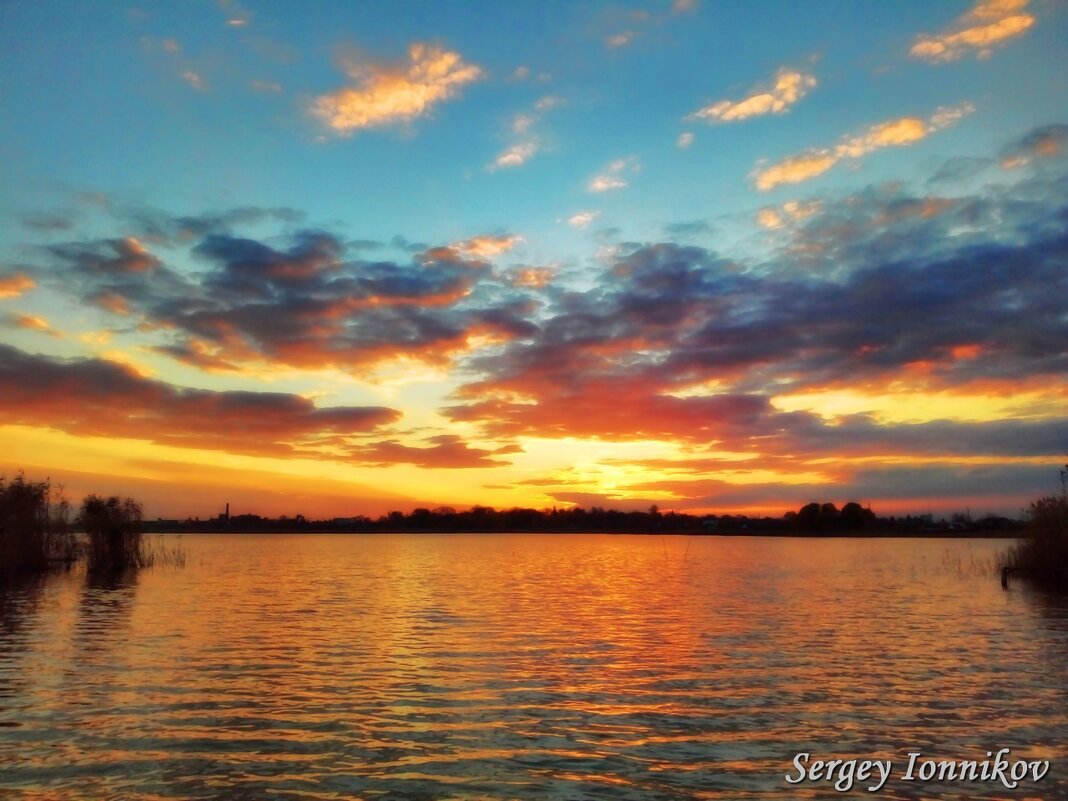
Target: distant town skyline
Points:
(339, 259)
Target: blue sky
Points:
(99, 102)
(548, 148)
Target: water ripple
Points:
(559, 667)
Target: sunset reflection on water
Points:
(525, 666)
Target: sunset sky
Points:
(340, 258)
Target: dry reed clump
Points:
(114, 540)
(1043, 554)
(113, 530)
(34, 528)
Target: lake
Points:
(528, 667)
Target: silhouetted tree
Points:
(855, 517)
(829, 515)
(808, 517)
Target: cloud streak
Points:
(614, 176)
(31, 322)
(893, 133)
(788, 87)
(446, 451)
(529, 143)
(987, 25)
(94, 397)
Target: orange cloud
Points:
(111, 302)
(795, 169)
(789, 87)
(893, 133)
(533, 277)
(989, 24)
(32, 322)
(488, 246)
(15, 284)
(386, 96)
(773, 217)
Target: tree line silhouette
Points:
(812, 519)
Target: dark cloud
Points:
(364, 244)
(623, 410)
(859, 434)
(403, 243)
(94, 397)
(1047, 142)
(117, 275)
(106, 257)
(959, 168)
(160, 228)
(678, 341)
(446, 451)
(48, 223)
(301, 304)
(688, 230)
(197, 355)
(987, 312)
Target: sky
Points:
(342, 258)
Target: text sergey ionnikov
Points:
(843, 773)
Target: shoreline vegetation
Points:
(38, 531)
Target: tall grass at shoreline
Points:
(1042, 556)
(155, 552)
(36, 531)
(34, 528)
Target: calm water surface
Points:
(526, 666)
